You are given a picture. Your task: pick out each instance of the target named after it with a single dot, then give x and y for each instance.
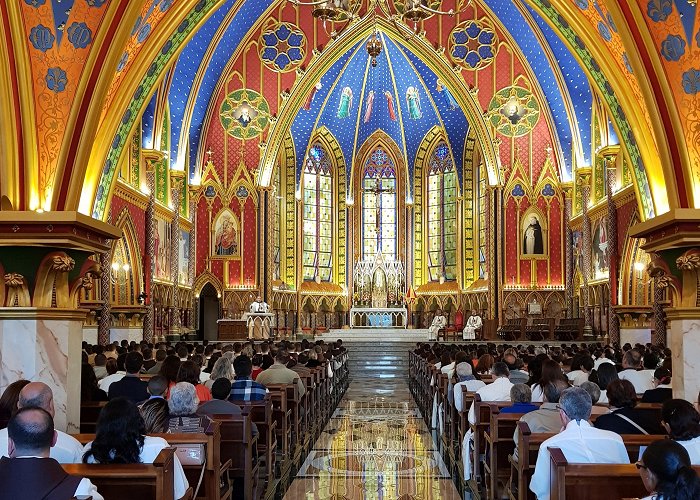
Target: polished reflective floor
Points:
(375, 447)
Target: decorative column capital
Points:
(177, 179)
(567, 188)
(583, 177)
(152, 157)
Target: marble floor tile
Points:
(375, 446)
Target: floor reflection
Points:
(376, 447)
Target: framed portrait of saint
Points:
(226, 235)
(533, 239)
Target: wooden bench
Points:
(540, 329)
(89, 413)
(568, 329)
(238, 445)
(131, 481)
(512, 329)
(261, 415)
(573, 481)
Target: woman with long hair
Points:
(551, 372)
(155, 414)
(223, 368)
(8, 401)
(666, 472)
(120, 439)
(682, 422)
(484, 365)
(189, 372)
(169, 368)
(604, 375)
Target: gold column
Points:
(151, 158)
(584, 182)
(177, 181)
(569, 254)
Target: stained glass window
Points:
(482, 221)
(379, 209)
(442, 215)
(318, 215)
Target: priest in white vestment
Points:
(473, 324)
(439, 321)
(259, 328)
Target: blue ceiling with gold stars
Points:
(399, 96)
(568, 103)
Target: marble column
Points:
(41, 321)
(584, 182)
(177, 180)
(613, 259)
(151, 159)
(568, 248)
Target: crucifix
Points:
(377, 190)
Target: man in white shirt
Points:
(498, 390)
(464, 374)
(579, 441)
(631, 364)
(30, 472)
(67, 449)
(473, 324)
(439, 321)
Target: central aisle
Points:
(375, 447)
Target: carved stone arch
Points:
(208, 277)
(128, 244)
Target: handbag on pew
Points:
(193, 454)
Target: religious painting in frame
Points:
(599, 249)
(226, 235)
(161, 250)
(533, 235)
(183, 273)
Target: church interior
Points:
(417, 178)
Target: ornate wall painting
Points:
(183, 273)
(599, 249)
(310, 98)
(345, 104)
(244, 114)
(283, 47)
(413, 103)
(513, 111)
(161, 250)
(533, 239)
(447, 97)
(226, 235)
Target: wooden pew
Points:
(238, 445)
(136, 481)
(89, 413)
(282, 415)
(528, 448)
(261, 414)
(571, 481)
(216, 484)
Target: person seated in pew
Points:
(278, 373)
(515, 366)
(130, 386)
(189, 372)
(8, 401)
(156, 415)
(666, 472)
(99, 367)
(682, 422)
(662, 391)
(624, 417)
(550, 372)
(244, 388)
(30, 473)
(594, 392)
(466, 378)
(67, 449)
(89, 389)
(605, 374)
(632, 371)
(113, 374)
(294, 365)
(120, 438)
(579, 441)
(219, 404)
(157, 387)
(183, 405)
(223, 368)
(498, 390)
(581, 368)
(521, 397)
(546, 418)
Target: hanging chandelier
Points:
(407, 12)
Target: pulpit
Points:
(259, 325)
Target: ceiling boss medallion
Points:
(473, 44)
(244, 114)
(282, 47)
(513, 111)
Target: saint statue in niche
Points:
(413, 103)
(533, 242)
(345, 105)
(226, 235)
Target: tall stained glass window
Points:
(318, 215)
(379, 209)
(442, 213)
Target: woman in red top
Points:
(189, 372)
(257, 368)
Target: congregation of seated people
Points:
(143, 391)
(585, 400)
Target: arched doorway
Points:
(208, 313)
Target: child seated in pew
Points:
(120, 439)
(666, 472)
